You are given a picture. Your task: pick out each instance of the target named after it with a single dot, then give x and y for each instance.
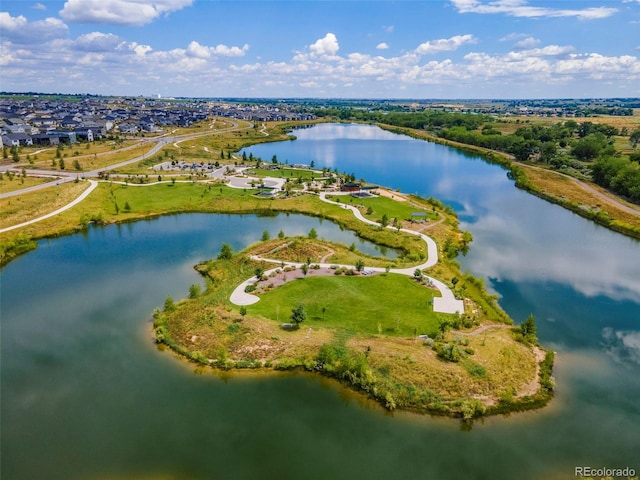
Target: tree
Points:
(298, 315)
(266, 236)
(281, 234)
(634, 138)
(312, 164)
(259, 271)
(194, 290)
(61, 163)
(226, 252)
(384, 221)
(417, 274)
(528, 328)
(305, 268)
(313, 234)
(169, 305)
(274, 160)
(243, 311)
(359, 265)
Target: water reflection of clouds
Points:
(351, 132)
(516, 252)
(622, 346)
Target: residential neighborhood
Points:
(27, 120)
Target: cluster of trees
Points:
(618, 174)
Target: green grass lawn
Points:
(286, 173)
(388, 304)
(382, 205)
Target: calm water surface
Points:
(85, 394)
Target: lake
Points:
(86, 394)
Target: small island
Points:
(414, 333)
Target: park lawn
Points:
(383, 205)
(366, 305)
(286, 173)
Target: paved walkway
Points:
(446, 303)
(72, 204)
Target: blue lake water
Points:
(85, 393)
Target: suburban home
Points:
(16, 139)
(45, 139)
(351, 187)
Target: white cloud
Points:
(622, 346)
(119, 12)
(444, 44)
(19, 30)
(97, 42)
(327, 46)
(389, 28)
(382, 46)
(527, 43)
(201, 51)
(39, 6)
(520, 8)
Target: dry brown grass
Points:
(18, 182)
(566, 188)
(21, 208)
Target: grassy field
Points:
(380, 206)
(21, 208)
(284, 172)
(392, 304)
(18, 182)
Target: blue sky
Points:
(345, 49)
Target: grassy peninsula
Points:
(376, 333)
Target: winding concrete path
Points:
(446, 303)
(83, 195)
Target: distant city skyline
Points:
(324, 49)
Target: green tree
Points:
(266, 236)
(313, 234)
(281, 234)
(259, 271)
(305, 268)
(298, 315)
(243, 311)
(417, 274)
(169, 305)
(384, 221)
(194, 291)
(226, 252)
(359, 265)
(634, 138)
(529, 329)
(61, 164)
(274, 160)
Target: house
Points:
(128, 128)
(44, 139)
(350, 187)
(16, 139)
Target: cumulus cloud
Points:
(201, 51)
(327, 46)
(444, 44)
(119, 12)
(19, 30)
(521, 8)
(382, 46)
(97, 42)
(527, 43)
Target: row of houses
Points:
(50, 121)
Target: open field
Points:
(15, 181)
(21, 208)
(349, 304)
